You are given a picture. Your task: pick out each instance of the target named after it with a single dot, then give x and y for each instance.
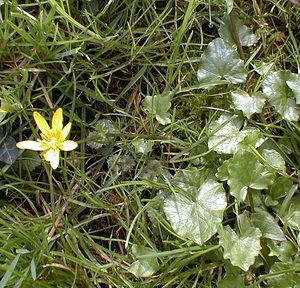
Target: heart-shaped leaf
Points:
(100, 136)
(221, 61)
(248, 104)
(246, 36)
(283, 250)
(267, 225)
(245, 171)
(158, 106)
(282, 90)
(242, 249)
(146, 264)
(142, 146)
(227, 134)
(8, 151)
(197, 217)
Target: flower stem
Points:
(52, 199)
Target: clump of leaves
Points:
(100, 135)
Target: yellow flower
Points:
(53, 139)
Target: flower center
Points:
(53, 142)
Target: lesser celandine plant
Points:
(183, 194)
(53, 139)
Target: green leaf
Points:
(146, 264)
(267, 225)
(233, 277)
(29, 160)
(221, 61)
(282, 88)
(240, 250)
(284, 279)
(280, 187)
(9, 271)
(245, 34)
(253, 139)
(8, 151)
(223, 174)
(245, 171)
(121, 163)
(191, 179)
(158, 106)
(294, 84)
(274, 159)
(227, 134)
(197, 217)
(248, 104)
(283, 250)
(154, 169)
(154, 212)
(33, 269)
(99, 136)
(291, 217)
(229, 4)
(142, 146)
(264, 68)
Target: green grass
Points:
(76, 226)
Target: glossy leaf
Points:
(249, 104)
(145, 266)
(197, 217)
(267, 225)
(294, 84)
(157, 106)
(245, 34)
(227, 134)
(264, 68)
(191, 179)
(287, 278)
(291, 217)
(8, 151)
(221, 61)
(280, 187)
(274, 159)
(242, 249)
(223, 174)
(253, 139)
(245, 171)
(142, 146)
(283, 250)
(282, 90)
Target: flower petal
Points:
(65, 132)
(52, 155)
(41, 122)
(32, 145)
(57, 120)
(68, 145)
